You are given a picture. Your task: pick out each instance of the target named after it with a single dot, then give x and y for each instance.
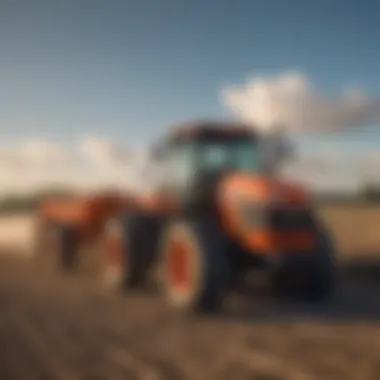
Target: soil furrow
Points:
(65, 328)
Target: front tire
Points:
(194, 270)
(320, 283)
(310, 277)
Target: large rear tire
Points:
(194, 266)
(125, 261)
(56, 247)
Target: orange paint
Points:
(262, 190)
(179, 264)
(268, 242)
(86, 214)
(113, 249)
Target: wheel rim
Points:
(179, 266)
(114, 253)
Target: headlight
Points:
(252, 214)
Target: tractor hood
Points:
(261, 188)
(247, 203)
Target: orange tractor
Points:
(214, 215)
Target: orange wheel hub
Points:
(113, 248)
(179, 265)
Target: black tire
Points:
(320, 283)
(56, 247)
(311, 276)
(66, 247)
(130, 272)
(208, 257)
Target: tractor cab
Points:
(207, 148)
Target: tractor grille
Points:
(290, 218)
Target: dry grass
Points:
(356, 228)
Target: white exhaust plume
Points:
(291, 101)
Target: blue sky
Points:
(127, 69)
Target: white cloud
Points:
(95, 164)
(287, 99)
(32, 166)
(89, 165)
(114, 166)
(290, 100)
(103, 152)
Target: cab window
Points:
(242, 155)
(179, 166)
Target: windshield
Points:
(183, 161)
(238, 154)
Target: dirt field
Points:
(68, 328)
(356, 228)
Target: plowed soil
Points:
(67, 327)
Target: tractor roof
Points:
(205, 130)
